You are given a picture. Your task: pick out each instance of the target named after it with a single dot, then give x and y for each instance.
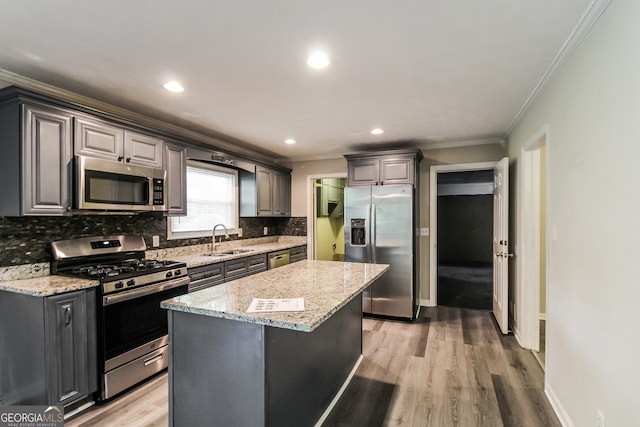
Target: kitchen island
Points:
(229, 367)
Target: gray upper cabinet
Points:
(385, 168)
(35, 171)
(175, 161)
(97, 138)
(363, 171)
(281, 190)
(265, 193)
(142, 149)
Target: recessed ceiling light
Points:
(377, 131)
(173, 86)
(290, 141)
(318, 60)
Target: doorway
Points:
(465, 239)
(325, 218)
(436, 171)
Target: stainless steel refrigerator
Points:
(380, 224)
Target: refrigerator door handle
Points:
(373, 233)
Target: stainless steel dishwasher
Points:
(279, 258)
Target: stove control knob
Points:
(119, 285)
(131, 282)
(169, 274)
(178, 272)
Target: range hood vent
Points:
(219, 158)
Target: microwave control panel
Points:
(158, 192)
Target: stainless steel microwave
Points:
(108, 185)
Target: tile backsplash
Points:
(25, 240)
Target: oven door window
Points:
(113, 188)
(132, 323)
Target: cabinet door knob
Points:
(128, 159)
(120, 158)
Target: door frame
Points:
(312, 208)
(528, 260)
(433, 218)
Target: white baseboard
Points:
(516, 334)
(426, 303)
(562, 414)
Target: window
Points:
(212, 198)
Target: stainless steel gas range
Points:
(132, 328)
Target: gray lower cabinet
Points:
(175, 161)
(48, 348)
(241, 267)
(205, 276)
(35, 173)
(214, 274)
(298, 253)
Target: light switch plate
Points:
(239, 232)
(424, 231)
(266, 231)
(155, 241)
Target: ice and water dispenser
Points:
(358, 232)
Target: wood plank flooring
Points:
(449, 368)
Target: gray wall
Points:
(465, 229)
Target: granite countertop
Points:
(47, 285)
(326, 286)
(206, 258)
(35, 280)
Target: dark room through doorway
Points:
(465, 239)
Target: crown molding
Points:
(228, 144)
(439, 145)
(579, 33)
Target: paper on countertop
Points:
(266, 305)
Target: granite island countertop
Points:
(326, 286)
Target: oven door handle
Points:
(146, 290)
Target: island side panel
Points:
(305, 370)
(216, 371)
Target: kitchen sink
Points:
(231, 252)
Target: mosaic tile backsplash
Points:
(25, 240)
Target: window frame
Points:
(171, 235)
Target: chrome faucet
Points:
(213, 235)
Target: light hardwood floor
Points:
(449, 368)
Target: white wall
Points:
(300, 182)
(593, 112)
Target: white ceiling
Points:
(427, 71)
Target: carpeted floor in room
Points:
(466, 285)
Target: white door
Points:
(501, 244)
